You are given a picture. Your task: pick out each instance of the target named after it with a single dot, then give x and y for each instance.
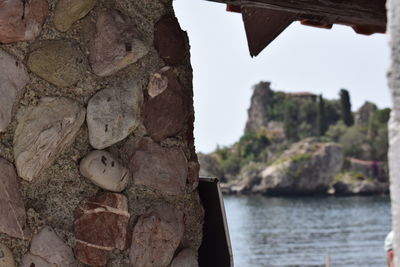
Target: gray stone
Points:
(185, 258)
(159, 168)
(47, 245)
(69, 11)
(30, 260)
(112, 114)
(57, 61)
(43, 132)
(13, 215)
(105, 171)
(21, 20)
(115, 45)
(6, 257)
(156, 236)
(13, 79)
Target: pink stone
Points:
(159, 168)
(47, 245)
(115, 45)
(13, 79)
(21, 20)
(166, 114)
(101, 225)
(170, 40)
(156, 236)
(13, 215)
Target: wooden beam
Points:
(349, 12)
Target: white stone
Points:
(105, 171)
(43, 132)
(112, 114)
(13, 79)
(6, 257)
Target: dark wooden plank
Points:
(350, 12)
(263, 26)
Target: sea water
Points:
(271, 231)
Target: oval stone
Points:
(105, 171)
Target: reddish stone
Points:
(159, 168)
(156, 236)
(170, 40)
(166, 114)
(115, 45)
(12, 211)
(101, 225)
(21, 20)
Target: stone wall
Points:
(97, 157)
(393, 30)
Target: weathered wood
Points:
(351, 12)
(263, 26)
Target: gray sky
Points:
(301, 59)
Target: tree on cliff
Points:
(322, 125)
(347, 117)
(291, 122)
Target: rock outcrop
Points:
(261, 98)
(156, 236)
(12, 210)
(364, 113)
(13, 79)
(21, 20)
(352, 183)
(308, 167)
(43, 132)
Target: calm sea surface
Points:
(304, 231)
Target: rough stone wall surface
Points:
(61, 49)
(393, 7)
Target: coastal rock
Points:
(185, 258)
(6, 257)
(112, 114)
(43, 132)
(307, 167)
(69, 11)
(13, 215)
(158, 83)
(30, 260)
(166, 114)
(170, 40)
(105, 171)
(115, 45)
(13, 79)
(48, 248)
(21, 20)
(156, 236)
(59, 62)
(101, 225)
(352, 183)
(162, 169)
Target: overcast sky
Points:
(301, 59)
